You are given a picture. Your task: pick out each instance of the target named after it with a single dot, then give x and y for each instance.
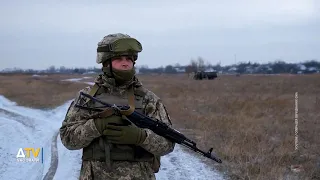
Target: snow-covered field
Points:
(22, 127)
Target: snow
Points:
(73, 79)
(302, 67)
(210, 70)
(79, 79)
(180, 165)
(90, 83)
(312, 69)
(37, 75)
(22, 127)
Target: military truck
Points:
(200, 75)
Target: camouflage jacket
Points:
(76, 133)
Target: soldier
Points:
(113, 149)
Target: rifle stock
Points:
(155, 125)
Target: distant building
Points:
(180, 69)
(210, 70)
(301, 67)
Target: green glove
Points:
(125, 134)
(101, 123)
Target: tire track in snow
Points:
(34, 126)
(54, 159)
(27, 122)
(22, 127)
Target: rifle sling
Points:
(103, 114)
(130, 103)
(92, 92)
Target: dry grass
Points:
(38, 92)
(248, 120)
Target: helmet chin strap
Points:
(108, 69)
(110, 66)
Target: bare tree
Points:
(51, 69)
(190, 69)
(62, 69)
(194, 65)
(201, 65)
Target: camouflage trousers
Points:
(94, 170)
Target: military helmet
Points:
(118, 44)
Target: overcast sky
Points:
(37, 34)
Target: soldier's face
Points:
(122, 63)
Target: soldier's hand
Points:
(101, 123)
(125, 134)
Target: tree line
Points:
(276, 67)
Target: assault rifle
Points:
(155, 125)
